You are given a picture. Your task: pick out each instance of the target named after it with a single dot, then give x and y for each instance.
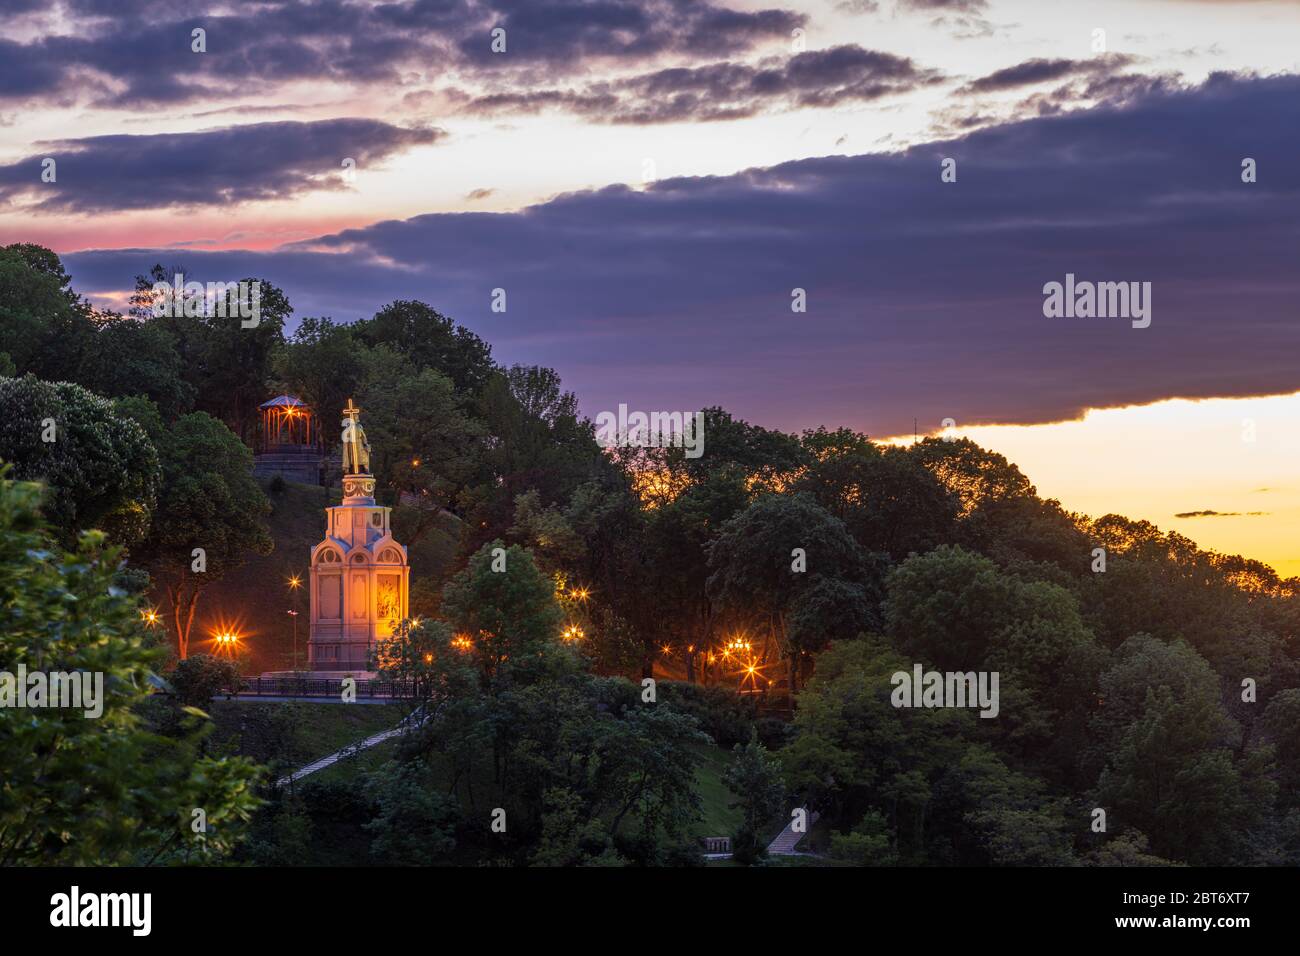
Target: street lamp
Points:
(226, 641)
(294, 615)
(295, 582)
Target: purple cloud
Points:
(216, 167)
(725, 91)
(925, 298)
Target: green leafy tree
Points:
(769, 459)
(225, 359)
(322, 364)
(945, 607)
(1011, 816)
(97, 790)
(867, 844)
(628, 765)
(45, 327)
(958, 611)
(1169, 771)
(975, 475)
(754, 776)
(534, 442)
(752, 565)
(430, 340)
(854, 753)
(130, 357)
(211, 513)
(567, 838)
(885, 496)
(1282, 723)
(100, 469)
(238, 360)
(427, 448)
(509, 615)
(196, 680)
(415, 825)
(1127, 848)
(675, 563)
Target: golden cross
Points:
(351, 411)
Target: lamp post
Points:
(294, 615)
(295, 583)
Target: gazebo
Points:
(289, 442)
(288, 424)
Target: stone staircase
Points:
(787, 839)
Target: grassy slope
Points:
(255, 598)
(322, 728)
(718, 817)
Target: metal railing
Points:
(323, 687)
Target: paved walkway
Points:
(787, 839)
(351, 750)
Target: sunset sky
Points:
(649, 181)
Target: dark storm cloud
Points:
(137, 53)
(213, 167)
(721, 91)
(925, 299)
(133, 60)
(1041, 70)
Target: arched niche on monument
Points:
(327, 579)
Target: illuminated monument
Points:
(360, 581)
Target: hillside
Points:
(254, 600)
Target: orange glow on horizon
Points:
(1220, 471)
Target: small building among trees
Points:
(289, 441)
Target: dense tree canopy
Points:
(211, 514)
(99, 468)
(1140, 677)
(96, 789)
